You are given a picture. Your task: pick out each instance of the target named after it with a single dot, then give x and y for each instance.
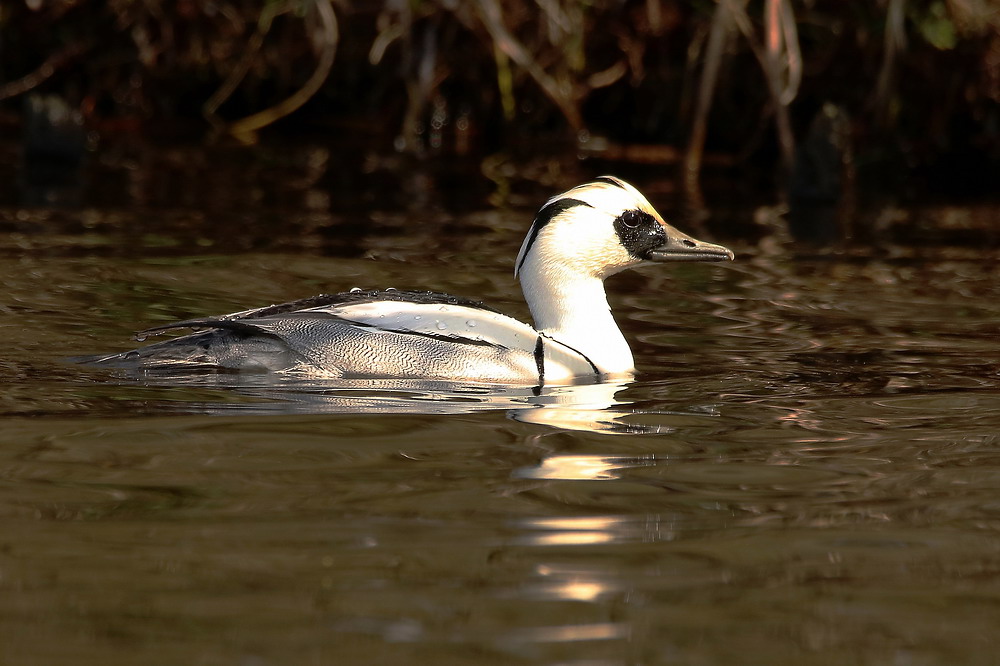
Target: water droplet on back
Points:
(442, 326)
(355, 290)
(470, 323)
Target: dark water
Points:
(806, 471)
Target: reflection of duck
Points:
(577, 239)
(586, 407)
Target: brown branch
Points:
(239, 72)
(781, 62)
(722, 25)
(893, 44)
(52, 64)
(562, 96)
(246, 128)
(780, 56)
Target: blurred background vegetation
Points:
(792, 96)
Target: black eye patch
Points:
(639, 232)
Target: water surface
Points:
(805, 471)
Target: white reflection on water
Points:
(572, 531)
(569, 538)
(598, 631)
(597, 529)
(578, 590)
(581, 467)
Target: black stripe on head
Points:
(610, 180)
(545, 216)
(639, 232)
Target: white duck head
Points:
(578, 239)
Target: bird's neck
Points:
(573, 309)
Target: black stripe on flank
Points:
(442, 337)
(540, 360)
(457, 339)
(610, 180)
(545, 216)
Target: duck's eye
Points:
(631, 219)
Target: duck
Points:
(577, 239)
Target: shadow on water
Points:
(804, 471)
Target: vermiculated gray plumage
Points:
(324, 337)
